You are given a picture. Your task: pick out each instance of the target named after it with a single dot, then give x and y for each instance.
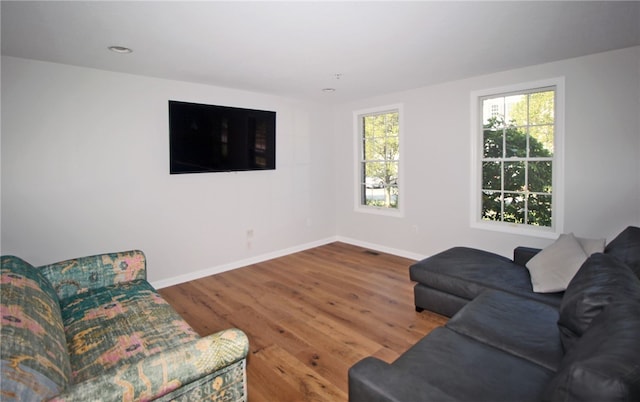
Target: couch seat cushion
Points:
(466, 272)
(35, 361)
(517, 325)
(469, 370)
(119, 324)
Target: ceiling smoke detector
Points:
(120, 49)
(336, 77)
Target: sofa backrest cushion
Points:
(626, 248)
(599, 281)
(604, 365)
(80, 275)
(35, 361)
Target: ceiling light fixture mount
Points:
(337, 78)
(120, 49)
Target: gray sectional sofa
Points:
(508, 344)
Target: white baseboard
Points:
(384, 249)
(163, 283)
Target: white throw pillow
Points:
(591, 246)
(552, 269)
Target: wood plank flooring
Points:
(309, 317)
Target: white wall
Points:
(602, 168)
(85, 170)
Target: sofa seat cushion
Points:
(466, 272)
(515, 324)
(119, 324)
(469, 370)
(604, 364)
(35, 362)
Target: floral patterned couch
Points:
(93, 328)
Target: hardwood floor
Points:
(309, 317)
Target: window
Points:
(518, 158)
(378, 161)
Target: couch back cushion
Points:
(604, 364)
(84, 274)
(599, 281)
(626, 248)
(35, 362)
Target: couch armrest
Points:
(164, 372)
(83, 274)
(372, 380)
(522, 255)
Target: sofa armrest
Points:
(80, 275)
(372, 380)
(163, 372)
(522, 255)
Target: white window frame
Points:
(558, 208)
(357, 129)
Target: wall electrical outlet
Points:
(249, 238)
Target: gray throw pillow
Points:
(552, 269)
(591, 246)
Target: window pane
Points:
(374, 149)
(516, 143)
(393, 196)
(491, 175)
(491, 206)
(516, 114)
(493, 111)
(540, 176)
(390, 173)
(541, 108)
(514, 176)
(541, 141)
(492, 143)
(373, 174)
(514, 207)
(367, 127)
(372, 197)
(539, 210)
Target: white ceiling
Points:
(295, 49)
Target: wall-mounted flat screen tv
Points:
(210, 138)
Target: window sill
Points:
(394, 212)
(517, 229)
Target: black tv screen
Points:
(210, 138)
